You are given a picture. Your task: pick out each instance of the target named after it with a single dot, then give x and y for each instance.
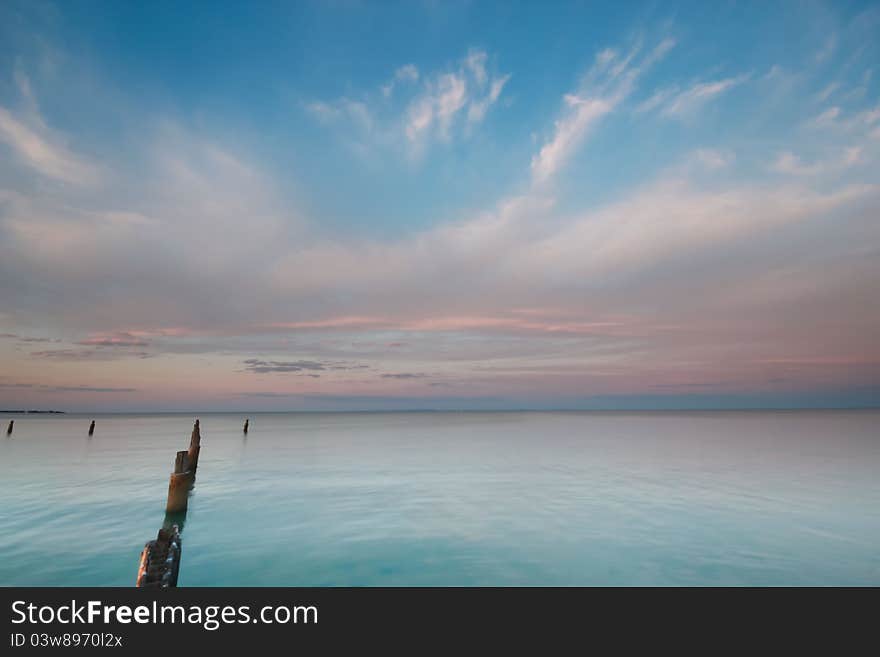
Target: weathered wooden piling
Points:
(9, 428)
(246, 425)
(179, 484)
(160, 560)
(195, 446)
(92, 428)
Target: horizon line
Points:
(683, 409)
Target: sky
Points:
(439, 205)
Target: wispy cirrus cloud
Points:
(684, 103)
(470, 90)
(437, 104)
(41, 149)
(827, 91)
(825, 118)
(343, 109)
(405, 74)
(790, 164)
(611, 79)
(477, 109)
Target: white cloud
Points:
(476, 64)
(353, 110)
(419, 117)
(43, 151)
(709, 158)
(520, 255)
(871, 116)
(324, 112)
(659, 51)
(406, 73)
(451, 96)
(604, 57)
(25, 89)
(656, 99)
(857, 125)
(435, 112)
(823, 95)
(852, 156)
(446, 103)
(569, 131)
(611, 79)
(685, 103)
(825, 118)
(478, 108)
(774, 73)
(445, 97)
(790, 164)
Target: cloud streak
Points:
(42, 150)
(685, 103)
(42, 387)
(259, 366)
(437, 106)
(471, 90)
(609, 82)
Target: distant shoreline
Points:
(598, 411)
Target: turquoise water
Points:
(451, 498)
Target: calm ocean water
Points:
(451, 498)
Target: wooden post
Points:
(9, 428)
(195, 446)
(179, 484)
(246, 426)
(92, 428)
(160, 560)
(181, 462)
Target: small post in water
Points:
(92, 428)
(246, 426)
(195, 446)
(9, 428)
(179, 484)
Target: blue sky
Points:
(439, 204)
